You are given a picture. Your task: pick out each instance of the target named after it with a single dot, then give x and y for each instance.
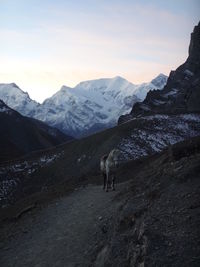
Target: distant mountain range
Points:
(20, 135)
(85, 109)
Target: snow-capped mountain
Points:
(90, 106)
(17, 99)
(87, 108)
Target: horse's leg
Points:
(113, 182)
(104, 181)
(107, 180)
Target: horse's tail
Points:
(104, 157)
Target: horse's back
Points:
(114, 153)
(113, 160)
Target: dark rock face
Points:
(182, 91)
(194, 48)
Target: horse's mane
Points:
(114, 151)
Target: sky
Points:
(46, 44)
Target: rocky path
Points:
(65, 233)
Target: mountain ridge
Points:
(182, 90)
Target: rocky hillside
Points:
(87, 108)
(157, 223)
(21, 135)
(182, 91)
(76, 160)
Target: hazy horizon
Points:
(49, 44)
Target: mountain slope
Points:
(87, 108)
(160, 211)
(182, 91)
(20, 135)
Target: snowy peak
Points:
(105, 84)
(17, 99)
(14, 85)
(160, 80)
(11, 89)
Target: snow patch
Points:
(166, 130)
(191, 117)
(144, 107)
(173, 92)
(157, 102)
(9, 184)
(188, 72)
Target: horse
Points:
(108, 165)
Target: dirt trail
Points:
(64, 233)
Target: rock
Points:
(141, 264)
(104, 229)
(101, 257)
(169, 244)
